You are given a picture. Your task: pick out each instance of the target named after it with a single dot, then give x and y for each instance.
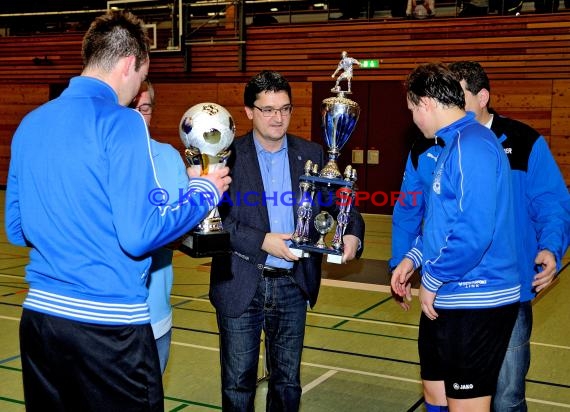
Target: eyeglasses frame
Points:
(271, 112)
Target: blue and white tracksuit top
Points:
(172, 176)
(467, 249)
(83, 193)
(542, 201)
(408, 212)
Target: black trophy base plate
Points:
(333, 255)
(209, 244)
(327, 181)
(314, 249)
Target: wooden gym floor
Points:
(360, 348)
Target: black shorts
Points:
(465, 348)
(75, 366)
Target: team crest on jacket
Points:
(436, 186)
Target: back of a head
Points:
(435, 81)
(112, 36)
(420, 11)
(265, 81)
(474, 75)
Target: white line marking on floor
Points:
(548, 345)
(318, 381)
(562, 405)
(374, 287)
(332, 370)
(359, 372)
(190, 298)
(376, 322)
(20, 277)
(190, 345)
(355, 285)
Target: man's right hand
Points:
(403, 301)
(400, 283)
(275, 244)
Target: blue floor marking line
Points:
(206, 405)
(554, 384)
(10, 359)
(19, 402)
(416, 405)
(380, 335)
(361, 355)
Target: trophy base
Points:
(327, 181)
(208, 244)
(302, 251)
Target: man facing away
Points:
(263, 285)
(542, 222)
(469, 284)
(80, 194)
(542, 214)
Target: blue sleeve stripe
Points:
(430, 283)
(207, 188)
(416, 256)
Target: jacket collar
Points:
(448, 133)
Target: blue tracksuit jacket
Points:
(408, 213)
(82, 193)
(467, 249)
(541, 199)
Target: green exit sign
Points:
(370, 64)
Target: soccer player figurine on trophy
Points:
(339, 117)
(345, 65)
(207, 130)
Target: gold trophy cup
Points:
(207, 130)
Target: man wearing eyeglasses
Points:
(262, 285)
(171, 173)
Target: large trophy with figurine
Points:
(207, 131)
(339, 116)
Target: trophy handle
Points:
(304, 213)
(193, 156)
(206, 162)
(343, 217)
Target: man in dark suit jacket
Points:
(262, 285)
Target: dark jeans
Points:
(163, 347)
(279, 308)
(510, 395)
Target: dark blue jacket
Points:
(234, 278)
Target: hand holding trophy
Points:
(339, 117)
(207, 131)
